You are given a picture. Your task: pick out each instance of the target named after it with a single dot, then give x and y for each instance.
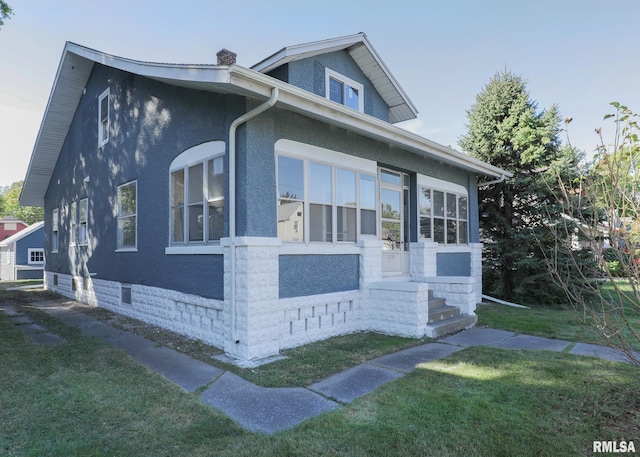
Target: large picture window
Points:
(127, 212)
(197, 195)
(329, 201)
(443, 215)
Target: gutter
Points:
(232, 198)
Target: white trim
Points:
(335, 160)
(32, 250)
(101, 139)
(55, 230)
(118, 217)
(439, 184)
(80, 240)
(321, 155)
(330, 74)
(295, 248)
(179, 250)
(198, 153)
(75, 67)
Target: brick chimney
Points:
(226, 57)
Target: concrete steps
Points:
(445, 319)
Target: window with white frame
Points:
(197, 195)
(83, 214)
(329, 201)
(103, 118)
(73, 223)
(126, 214)
(443, 212)
(35, 256)
(54, 230)
(343, 90)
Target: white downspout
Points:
(232, 198)
(488, 183)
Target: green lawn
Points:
(85, 398)
(562, 322)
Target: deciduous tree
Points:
(10, 205)
(5, 12)
(605, 200)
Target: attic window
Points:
(343, 90)
(103, 118)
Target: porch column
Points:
(257, 319)
(370, 261)
(422, 260)
(476, 269)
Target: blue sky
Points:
(579, 54)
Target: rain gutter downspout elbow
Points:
(232, 198)
(489, 183)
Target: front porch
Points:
(438, 297)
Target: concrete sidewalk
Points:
(270, 410)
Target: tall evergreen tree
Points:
(506, 130)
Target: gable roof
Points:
(401, 108)
(77, 63)
(11, 219)
(21, 234)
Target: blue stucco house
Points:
(255, 208)
(22, 254)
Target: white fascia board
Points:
(166, 71)
(300, 51)
(21, 234)
(71, 78)
(318, 107)
(390, 76)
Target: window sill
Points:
(299, 248)
(194, 250)
(127, 250)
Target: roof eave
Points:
(398, 112)
(319, 107)
(21, 234)
(76, 65)
(73, 72)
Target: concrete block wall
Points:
(422, 261)
(476, 269)
(190, 315)
(318, 317)
(399, 308)
(262, 324)
(254, 324)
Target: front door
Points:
(395, 259)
